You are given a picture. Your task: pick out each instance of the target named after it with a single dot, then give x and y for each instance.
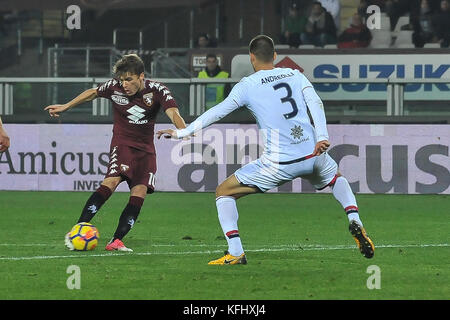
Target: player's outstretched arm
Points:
(231, 103)
(55, 109)
(4, 138)
(167, 133)
(176, 118)
(212, 115)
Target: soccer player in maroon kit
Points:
(136, 102)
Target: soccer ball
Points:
(84, 236)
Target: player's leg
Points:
(344, 195)
(141, 180)
(231, 187)
(98, 198)
(94, 203)
(112, 179)
(226, 195)
(326, 174)
(130, 213)
(256, 177)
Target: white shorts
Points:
(265, 174)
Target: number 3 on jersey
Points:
(287, 98)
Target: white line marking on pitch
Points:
(24, 244)
(293, 247)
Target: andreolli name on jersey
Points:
(277, 77)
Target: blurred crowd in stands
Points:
(319, 23)
(416, 23)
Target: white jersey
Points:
(279, 99)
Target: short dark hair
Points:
(130, 63)
(263, 48)
(211, 55)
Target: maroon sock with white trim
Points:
(344, 194)
(228, 217)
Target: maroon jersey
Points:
(134, 116)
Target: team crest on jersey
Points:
(124, 167)
(297, 132)
(148, 99)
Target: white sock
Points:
(344, 194)
(228, 217)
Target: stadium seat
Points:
(432, 45)
(403, 37)
(330, 46)
(400, 23)
(405, 46)
(282, 46)
(385, 23)
(306, 46)
(381, 39)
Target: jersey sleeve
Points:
(105, 89)
(165, 98)
(305, 83)
(238, 93)
(316, 109)
(235, 100)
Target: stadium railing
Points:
(194, 87)
(81, 61)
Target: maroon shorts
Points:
(133, 165)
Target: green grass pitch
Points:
(298, 248)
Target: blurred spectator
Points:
(435, 5)
(442, 24)
(214, 93)
(357, 35)
(423, 25)
(334, 8)
(294, 27)
(7, 20)
(2, 25)
(320, 28)
(397, 8)
(205, 41)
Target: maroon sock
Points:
(94, 203)
(128, 217)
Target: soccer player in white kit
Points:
(295, 145)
